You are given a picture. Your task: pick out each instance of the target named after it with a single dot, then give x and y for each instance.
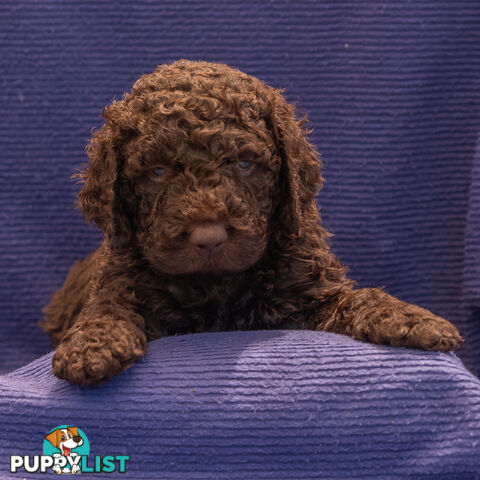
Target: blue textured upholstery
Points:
(262, 405)
(392, 90)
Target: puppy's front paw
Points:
(85, 366)
(416, 327)
(56, 469)
(92, 353)
(433, 333)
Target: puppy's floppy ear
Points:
(54, 437)
(300, 176)
(105, 193)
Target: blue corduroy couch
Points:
(392, 90)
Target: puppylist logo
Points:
(66, 451)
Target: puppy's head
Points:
(201, 167)
(65, 436)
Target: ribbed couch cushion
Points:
(261, 405)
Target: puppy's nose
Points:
(208, 238)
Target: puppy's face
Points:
(199, 167)
(204, 190)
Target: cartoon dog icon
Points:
(65, 439)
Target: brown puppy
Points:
(203, 183)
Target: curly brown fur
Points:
(203, 183)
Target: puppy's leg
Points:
(371, 315)
(108, 335)
(67, 302)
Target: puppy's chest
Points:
(174, 312)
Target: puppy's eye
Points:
(158, 172)
(245, 166)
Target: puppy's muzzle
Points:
(208, 239)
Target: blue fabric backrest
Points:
(392, 90)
